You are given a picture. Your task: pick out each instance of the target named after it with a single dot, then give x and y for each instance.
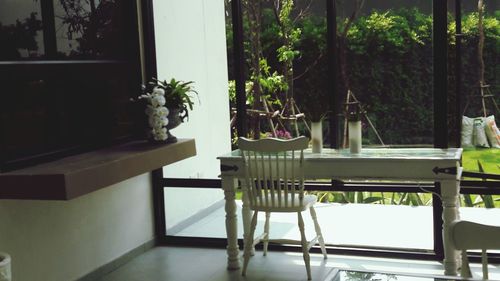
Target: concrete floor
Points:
(205, 264)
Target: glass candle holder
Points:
(354, 136)
(316, 137)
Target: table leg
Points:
(247, 216)
(229, 186)
(451, 202)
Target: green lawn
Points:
(489, 158)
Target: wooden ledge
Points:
(77, 175)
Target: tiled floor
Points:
(201, 264)
(204, 264)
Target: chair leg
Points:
(266, 231)
(249, 244)
(465, 270)
(304, 242)
(484, 260)
(246, 214)
(318, 231)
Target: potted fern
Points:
(168, 105)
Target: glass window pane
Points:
(195, 38)
(480, 137)
(91, 28)
(310, 66)
(54, 111)
(392, 219)
(285, 57)
(21, 33)
(386, 61)
(194, 212)
(392, 222)
(484, 160)
(481, 204)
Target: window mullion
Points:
(49, 28)
(239, 65)
(458, 71)
(335, 102)
(440, 56)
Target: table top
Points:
(375, 154)
(420, 164)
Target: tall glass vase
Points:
(354, 136)
(317, 136)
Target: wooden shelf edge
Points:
(77, 175)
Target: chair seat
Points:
(307, 202)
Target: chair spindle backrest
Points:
(274, 171)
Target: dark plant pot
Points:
(175, 117)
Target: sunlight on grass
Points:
(489, 158)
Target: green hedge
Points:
(390, 67)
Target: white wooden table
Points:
(401, 164)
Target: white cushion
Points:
(492, 131)
(479, 134)
(466, 134)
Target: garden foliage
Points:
(390, 67)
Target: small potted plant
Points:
(168, 105)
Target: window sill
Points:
(81, 174)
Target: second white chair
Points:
(467, 235)
(275, 183)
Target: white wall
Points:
(65, 240)
(191, 46)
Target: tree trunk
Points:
(480, 47)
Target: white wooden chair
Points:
(467, 235)
(275, 183)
